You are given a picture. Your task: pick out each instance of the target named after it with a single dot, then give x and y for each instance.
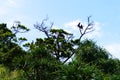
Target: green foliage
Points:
(89, 52)
(60, 43)
(6, 38)
(39, 65)
(110, 66)
(6, 74)
(19, 28)
(44, 58)
(80, 71)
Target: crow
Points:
(80, 25)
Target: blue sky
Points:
(66, 14)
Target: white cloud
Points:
(3, 8)
(8, 5)
(21, 18)
(2, 11)
(8, 11)
(114, 49)
(97, 33)
(12, 2)
(55, 27)
(72, 27)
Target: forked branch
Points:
(84, 30)
(43, 28)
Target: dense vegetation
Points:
(56, 57)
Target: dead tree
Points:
(84, 30)
(43, 28)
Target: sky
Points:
(66, 14)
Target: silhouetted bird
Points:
(80, 25)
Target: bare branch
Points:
(18, 28)
(68, 58)
(45, 29)
(69, 37)
(87, 29)
(89, 19)
(51, 25)
(80, 31)
(83, 30)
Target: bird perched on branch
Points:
(80, 25)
